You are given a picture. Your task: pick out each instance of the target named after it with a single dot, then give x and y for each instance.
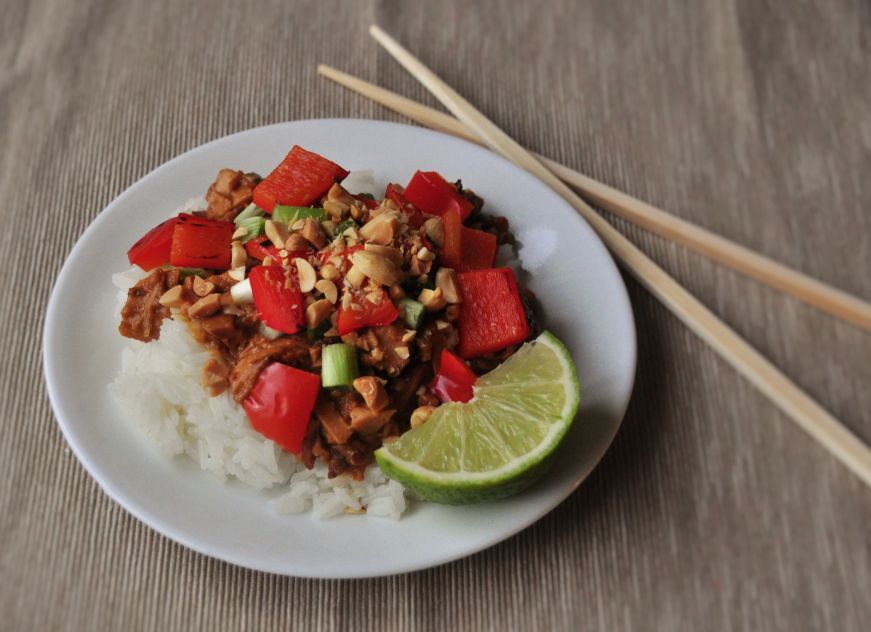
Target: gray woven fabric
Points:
(711, 511)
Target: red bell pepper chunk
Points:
(277, 297)
(153, 248)
(432, 194)
(397, 194)
(300, 179)
(454, 381)
(492, 315)
(281, 403)
(201, 243)
(452, 251)
(371, 314)
(478, 249)
(260, 247)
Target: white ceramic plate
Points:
(585, 305)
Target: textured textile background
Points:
(711, 511)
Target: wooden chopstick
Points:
(735, 256)
(784, 393)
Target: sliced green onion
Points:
(186, 272)
(252, 210)
(291, 214)
(241, 292)
(338, 365)
(254, 226)
(348, 223)
(317, 332)
(411, 312)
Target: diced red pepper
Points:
(454, 381)
(370, 314)
(201, 243)
(277, 297)
(281, 403)
(153, 248)
(260, 247)
(452, 252)
(368, 202)
(492, 315)
(478, 249)
(432, 194)
(300, 179)
(397, 194)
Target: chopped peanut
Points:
(328, 289)
(330, 272)
(421, 415)
(306, 275)
(432, 300)
(355, 276)
(373, 392)
(336, 209)
(378, 268)
(386, 251)
(202, 287)
(276, 232)
(381, 229)
(313, 233)
(329, 227)
(317, 312)
(173, 297)
(435, 230)
(296, 242)
(446, 281)
(206, 306)
(239, 256)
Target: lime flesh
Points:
(499, 442)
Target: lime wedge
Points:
(499, 442)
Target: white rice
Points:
(159, 389)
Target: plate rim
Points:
(135, 509)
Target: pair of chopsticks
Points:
(473, 125)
